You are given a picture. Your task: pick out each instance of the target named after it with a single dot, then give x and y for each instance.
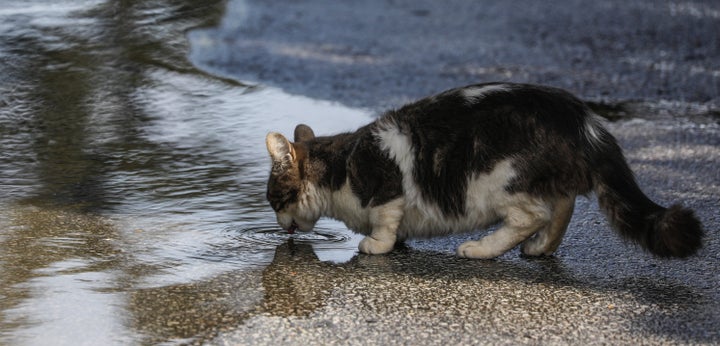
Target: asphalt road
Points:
(383, 53)
(655, 65)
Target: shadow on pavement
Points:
(532, 293)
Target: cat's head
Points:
(290, 193)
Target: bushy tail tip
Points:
(677, 233)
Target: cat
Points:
(465, 159)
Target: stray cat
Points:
(465, 159)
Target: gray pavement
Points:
(383, 53)
(654, 64)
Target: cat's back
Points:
(490, 108)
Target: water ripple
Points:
(271, 235)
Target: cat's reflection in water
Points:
(296, 282)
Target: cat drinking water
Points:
(468, 158)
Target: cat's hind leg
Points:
(521, 222)
(547, 240)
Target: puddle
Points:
(127, 173)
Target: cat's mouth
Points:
(293, 227)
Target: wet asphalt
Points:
(651, 67)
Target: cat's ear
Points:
(281, 151)
(303, 133)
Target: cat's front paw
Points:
(373, 246)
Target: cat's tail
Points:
(665, 232)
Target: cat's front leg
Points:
(385, 220)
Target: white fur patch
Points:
(399, 148)
(309, 208)
(345, 206)
(473, 94)
(486, 202)
(592, 130)
(311, 202)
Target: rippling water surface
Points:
(132, 181)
